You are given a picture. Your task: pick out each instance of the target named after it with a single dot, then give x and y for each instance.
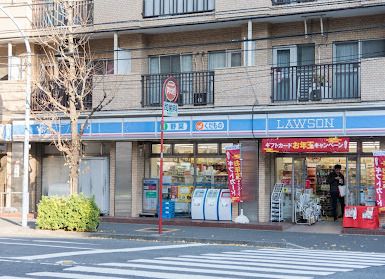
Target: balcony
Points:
(157, 8)
(196, 88)
(52, 13)
(316, 82)
(285, 2)
(40, 101)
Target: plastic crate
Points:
(168, 209)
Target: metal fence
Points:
(154, 8)
(316, 82)
(196, 88)
(52, 13)
(40, 101)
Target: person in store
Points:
(335, 179)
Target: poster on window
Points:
(379, 179)
(233, 163)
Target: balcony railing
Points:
(196, 88)
(316, 82)
(155, 8)
(284, 2)
(52, 13)
(41, 102)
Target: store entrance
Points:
(306, 193)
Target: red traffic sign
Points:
(171, 89)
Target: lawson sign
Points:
(228, 126)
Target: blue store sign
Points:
(228, 126)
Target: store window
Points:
(370, 146)
(224, 146)
(367, 190)
(184, 148)
(211, 172)
(353, 147)
(156, 148)
(208, 148)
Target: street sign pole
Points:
(161, 166)
(170, 90)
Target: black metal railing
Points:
(40, 101)
(316, 82)
(155, 8)
(284, 2)
(52, 13)
(196, 88)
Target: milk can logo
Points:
(209, 126)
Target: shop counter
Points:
(363, 217)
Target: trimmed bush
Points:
(73, 213)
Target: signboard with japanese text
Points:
(171, 95)
(150, 194)
(233, 163)
(302, 145)
(379, 179)
(170, 109)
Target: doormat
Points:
(155, 230)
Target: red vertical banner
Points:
(379, 179)
(233, 163)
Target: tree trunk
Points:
(75, 139)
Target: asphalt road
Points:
(110, 258)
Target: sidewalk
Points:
(316, 237)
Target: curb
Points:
(192, 240)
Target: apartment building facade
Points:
(247, 71)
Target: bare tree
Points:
(62, 98)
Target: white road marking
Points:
(334, 252)
(148, 274)
(69, 275)
(229, 267)
(44, 245)
(278, 265)
(189, 270)
(345, 259)
(104, 251)
(13, 277)
(66, 242)
(327, 254)
(284, 260)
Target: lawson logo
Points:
(305, 123)
(209, 126)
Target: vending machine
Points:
(224, 206)
(197, 204)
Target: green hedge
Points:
(73, 213)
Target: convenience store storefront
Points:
(195, 149)
(189, 165)
(298, 170)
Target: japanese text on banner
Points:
(379, 179)
(233, 162)
(298, 145)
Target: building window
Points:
(154, 8)
(166, 148)
(166, 64)
(103, 66)
(184, 148)
(370, 146)
(208, 148)
(225, 59)
(373, 49)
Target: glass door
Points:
(353, 192)
(285, 60)
(298, 181)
